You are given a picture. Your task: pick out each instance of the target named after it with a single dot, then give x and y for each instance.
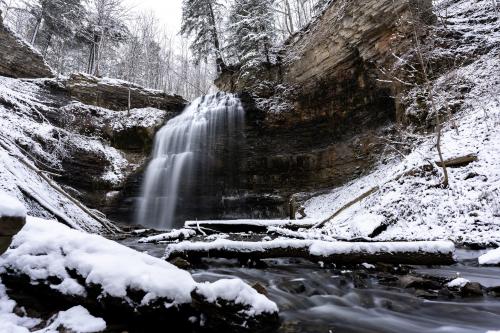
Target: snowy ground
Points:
(42, 129)
(412, 206)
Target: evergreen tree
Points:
(251, 31)
(199, 21)
(56, 18)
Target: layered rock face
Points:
(314, 120)
(114, 94)
(18, 59)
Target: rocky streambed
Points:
(366, 298)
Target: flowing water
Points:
(321, 300)
(184, 155)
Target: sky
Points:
(168, 11)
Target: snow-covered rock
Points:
(89, 268)
(490, 258)
(457, 283)
(180, 234)
(11, 206)
(77, 319)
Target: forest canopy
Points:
(107, 38)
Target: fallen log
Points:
(458, 162)
(412, 253)
(257, 226)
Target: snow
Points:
(458, 283)
(46, 249)
(173, 235)
(322, 248)
(490, 258)
(77, 319)
(11, 206)
(365, 224)
(26, 134)
(237, 291)
(9, 321)
(413, 207)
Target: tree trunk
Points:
(221, 66)
(35, 31)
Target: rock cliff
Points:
(315, 118)
(19, 59)
(114, 94)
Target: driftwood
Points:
(459, 161)
(256, 226)
(382, 255)
(348, 205)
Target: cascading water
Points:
(186, 152)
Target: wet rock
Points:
(222, 316)
(18, 59)
(9, 227)
(494, 291)
(294, 286)
(5, 242)
(416, 282)
(180, 263)
(472, 289)
(446, 293)
(425, 294)
(260, 289)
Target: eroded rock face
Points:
(314, 120)
(18, 59)
(114, 94)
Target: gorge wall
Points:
(315, 118)
(19, 59)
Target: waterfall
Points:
(185, 154)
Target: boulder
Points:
(12, 219)
(472, 289)
(114, 94)
(18, 59)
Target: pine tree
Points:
(60, 18)
(199, 21)
(252, 31)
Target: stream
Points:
(315, 300)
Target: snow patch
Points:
(490, 258)
(458, 283)
(77, 319)
(11, 206)
(239, 292)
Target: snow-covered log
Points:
(173, 235)
(227, 226)
(51, 260)
(422, 253)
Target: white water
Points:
(182, 147)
